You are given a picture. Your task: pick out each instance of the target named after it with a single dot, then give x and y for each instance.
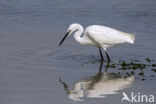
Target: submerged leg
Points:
(107, 56)
(101, 62)
(100, 68)
(107, 66)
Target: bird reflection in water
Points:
(98, 86)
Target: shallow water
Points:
(34, 70)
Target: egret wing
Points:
(106, 35)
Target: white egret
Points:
(99, 36)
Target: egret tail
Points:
(130, 37)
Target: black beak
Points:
(64, 37)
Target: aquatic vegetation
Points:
(148, 60)
(131, 67)
(154, 70)
(153, 65)
(142, 69)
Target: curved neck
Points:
(78, 35)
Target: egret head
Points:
(73, 27)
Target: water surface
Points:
(34, 70)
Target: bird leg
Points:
(102, 59)
(107, 66)
(100, 68)
(107, 56)
(101, 62)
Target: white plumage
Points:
(107, 36)
(99, 36)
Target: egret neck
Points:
(78, 35)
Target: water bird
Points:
(100, 36)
